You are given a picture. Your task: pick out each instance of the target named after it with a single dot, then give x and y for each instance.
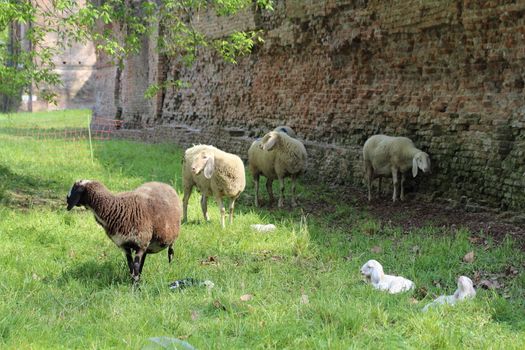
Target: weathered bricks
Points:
(448, 74)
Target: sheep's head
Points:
(465, 288)
(421, 161)
(204, 161)
(286, 129)
(76, 197)
(270, 140)
(371, 269)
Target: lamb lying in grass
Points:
(465, 291)
(373, 271)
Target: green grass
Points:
(47, 120)
(63, 283)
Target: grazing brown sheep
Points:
(144, 221)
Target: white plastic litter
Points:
(263, 228)
(190, 282)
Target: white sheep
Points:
(214, 172)
(373, 271)
(386, 155)
(465, 291)
(145, 220)
(276, 156)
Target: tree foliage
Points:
(116, 27)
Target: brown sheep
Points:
(146, 220)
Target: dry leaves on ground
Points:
(218, 305)
(304, 299)
(376, 249)
(194, 315)
(489, 284)
(246, 297)
(211, 260)
(469, 257)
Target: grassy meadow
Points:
(64, 284)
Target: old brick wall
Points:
(448, 74)
(120, 89)
(76, 68)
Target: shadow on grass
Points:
(94, 273)
(508, 313)
(22, 191)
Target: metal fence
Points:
(62, 131)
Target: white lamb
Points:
(386, 155)
(214, 172)
(465, 291)
(373, 271)
(276, 156)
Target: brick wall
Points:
(448, 74)
(76, 69)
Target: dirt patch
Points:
(25, 200)
(418, 211)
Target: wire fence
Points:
(101, 129)
(70, 133)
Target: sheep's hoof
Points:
(294, 204)
(281, 204)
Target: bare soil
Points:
(417, 211)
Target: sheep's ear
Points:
(209, 167)
(73, 196)
(414, 166)
(270, 143)
(375, 276)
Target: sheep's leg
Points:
(129, 259)
(269, 189)
(220, 204)
(402, 190)
(369, 179)
(232, 205)
(281, 196)
(394, 182)
(256, 184)
(204, 207)
(187, 193)
(137, 265)
(294, 203)
(170, 253)
(142, 262)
